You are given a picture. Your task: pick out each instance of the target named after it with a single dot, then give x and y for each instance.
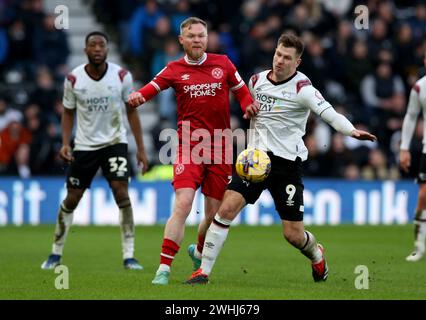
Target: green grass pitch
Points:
(255, 263)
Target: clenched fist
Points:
(135, 99)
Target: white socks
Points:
(63, 224)
(127, 229)
(310, 248)
(420, 231)
(215, 238)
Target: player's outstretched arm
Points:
(342, 124)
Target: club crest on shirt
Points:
(287, 95)
(217, 73)
(179, 168)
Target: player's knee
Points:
(120, 195)
(72, 200)
(183, 206)
(227, 211)
(294, 237)
(422, 192)
(123, 202)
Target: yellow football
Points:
(253, 165)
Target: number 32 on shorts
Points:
(117, 164)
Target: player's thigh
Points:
(288, 198)
(215, 180)
(114, 162)
(183, 202)
(233, 202)
(82, 170)
(249, 191)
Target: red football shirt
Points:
(202, 93)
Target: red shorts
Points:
(213, 178)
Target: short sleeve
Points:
(127, 86)
(68, 99)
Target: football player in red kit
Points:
(202, 82)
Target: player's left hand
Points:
(252, 110)
(141, 158)
(363, 135)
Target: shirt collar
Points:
(192, 62)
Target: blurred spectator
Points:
(14, 146)
(315, 64)
(384, 94)
(405, 47)
(182, 11)
(45, 92)
(31, 12)
(338, 158)
(7, 115)
(166, 98)
(20, 55)
(4, 51)
(418, 22)
(378, 168)
(378, 39)
(143, 21)
(356, 66)
(51, 47)
(44, 143)
(155, 40)
(313, 167)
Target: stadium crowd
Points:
(366, 74)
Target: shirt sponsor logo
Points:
(97, 104)
(202, 89)
(266, 102)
